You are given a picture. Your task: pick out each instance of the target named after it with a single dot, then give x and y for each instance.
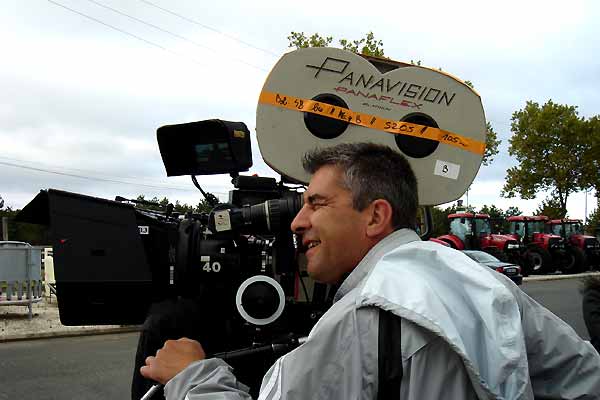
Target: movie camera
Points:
(114, 259)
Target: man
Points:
(411, 319)
(591, 308)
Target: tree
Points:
(590, 161)
(1, 203)
(491, 145)
(157, 204)
(300, 41)
(497, 220)
(551, 208)
(204, 206)
(368, 45)
(593, 223)
(512, 211)
(545, 142)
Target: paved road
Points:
(83, 368)
(563, 298)
(99, 367)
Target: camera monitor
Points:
(205, 147)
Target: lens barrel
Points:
(272, 215)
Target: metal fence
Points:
(20, 275)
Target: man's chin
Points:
(322, 277)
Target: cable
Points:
(94, 178)
(127, 33)
(210, 28)
(66, 170)
(60, 167)
(174, 34)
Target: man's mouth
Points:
(312, 244)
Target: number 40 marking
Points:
(214, 267)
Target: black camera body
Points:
(113, 260)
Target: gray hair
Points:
(372, 171)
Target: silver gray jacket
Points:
(484, 338)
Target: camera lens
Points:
(272, 215)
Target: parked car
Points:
(513, 271)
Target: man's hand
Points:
(173, 358)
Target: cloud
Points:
(81, 98)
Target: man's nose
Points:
(301, 221)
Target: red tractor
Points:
(544, 252)
(470, 231)
(586, 249)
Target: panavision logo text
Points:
(380, 88)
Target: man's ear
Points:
(380, 222)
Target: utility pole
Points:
(585, 217)
(4, 228)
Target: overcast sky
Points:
(84, 87)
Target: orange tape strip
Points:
(372, 121)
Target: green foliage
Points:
(551, 208)
(512, 211)
(300, 41)
(493, 211)
(1, 203)
(22, 232)
(498, 216)
(545, 143)
(203, 206)
(491, 145)
(181, 208)
(368, 45)
(441, 226)
(593, 223)
(590, 161)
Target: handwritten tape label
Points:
(372, 121)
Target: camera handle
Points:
(276, 348)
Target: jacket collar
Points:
(365, 266)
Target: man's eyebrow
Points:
(314, 198)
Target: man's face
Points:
(331, 229)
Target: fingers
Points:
(173, 358)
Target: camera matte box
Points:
(105, 257)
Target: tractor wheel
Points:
(537, 260)
(496, 252)
(580, 259)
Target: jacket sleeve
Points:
(561, 364)
(207, 379)
(337, 362)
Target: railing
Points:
(20, 275)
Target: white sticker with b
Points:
(446, 169)
(222, 220)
